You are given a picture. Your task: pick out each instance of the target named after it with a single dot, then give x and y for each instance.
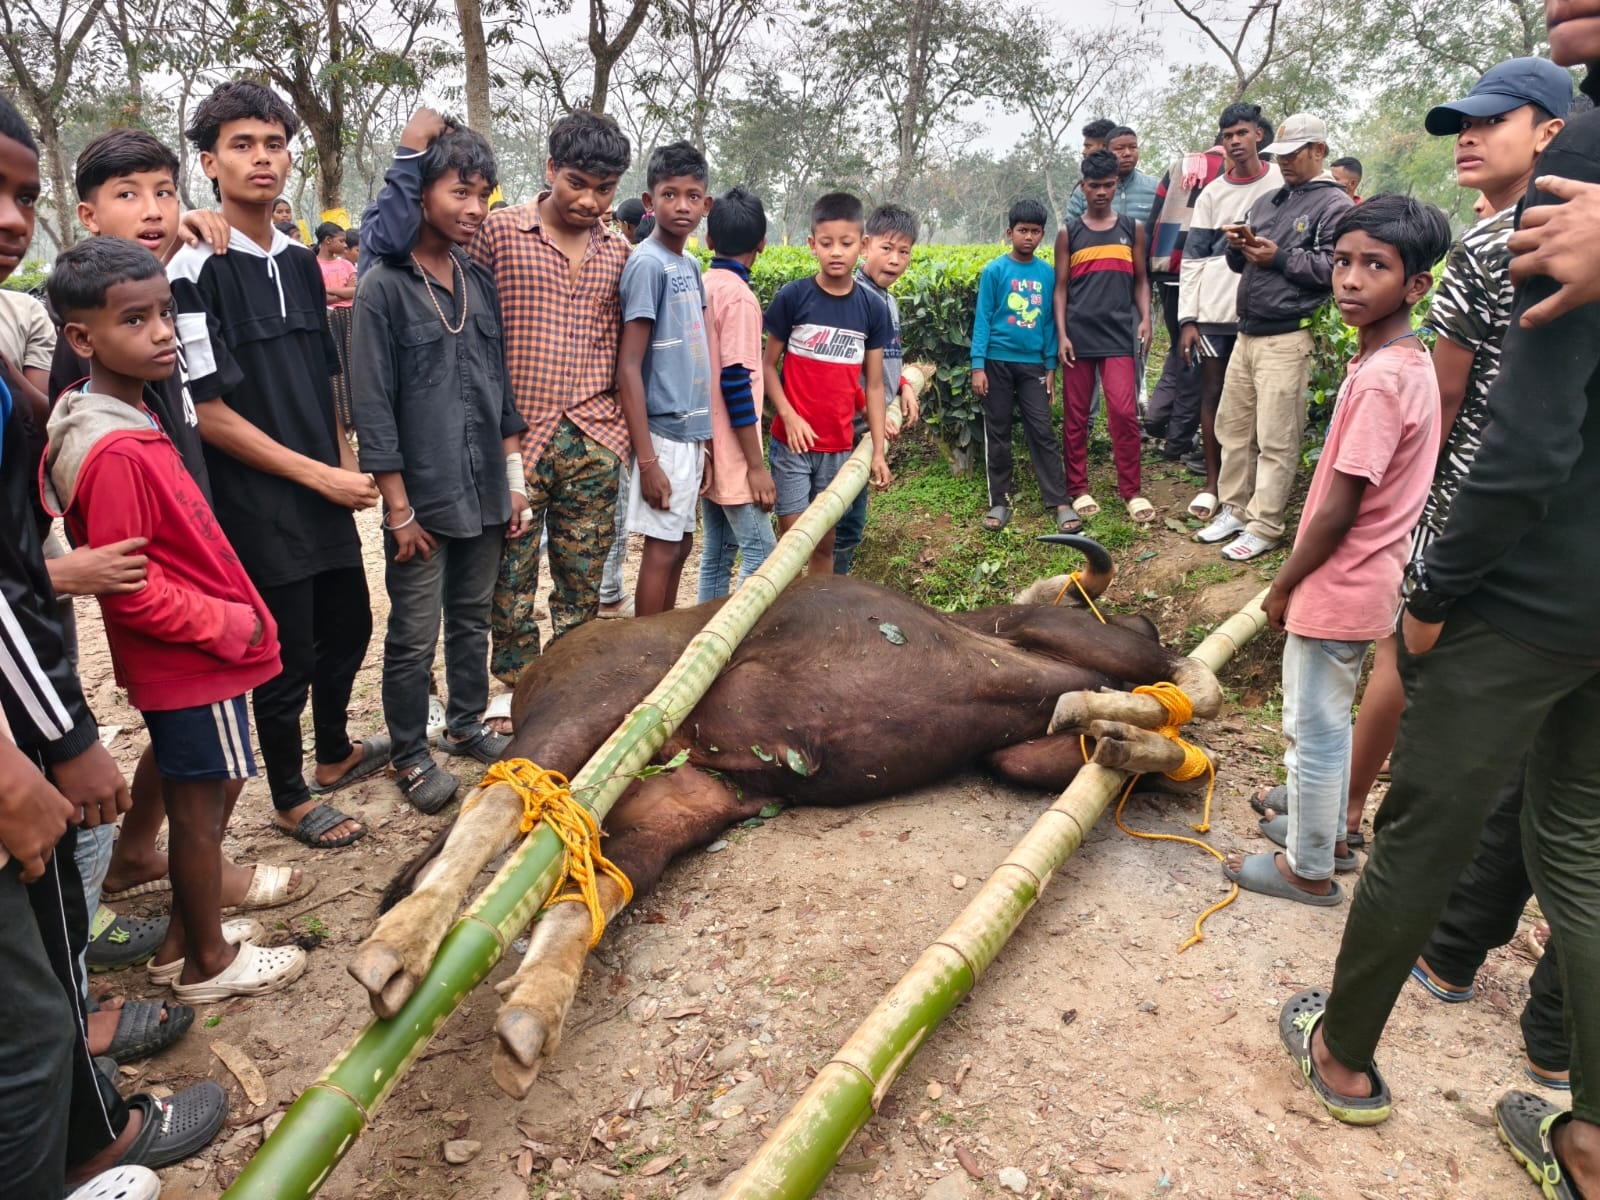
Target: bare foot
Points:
(1577, 1147)
(501, 725)
(1314, 887)
(236, 884)
(1357, 1085)
(328, 773)
(123, 875)
(111, 1155)
(1423, 966)
(286, 819)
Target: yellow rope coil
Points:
(547, 797)
(1180, 711)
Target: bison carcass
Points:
(844, 691)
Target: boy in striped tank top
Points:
(1102, 311)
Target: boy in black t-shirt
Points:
(284, 482)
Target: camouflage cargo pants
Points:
(573, 488)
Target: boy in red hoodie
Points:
(196, 637)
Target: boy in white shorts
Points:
(664, 375)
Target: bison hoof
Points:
(514, 1079)
(524, 1035)
(382, 971)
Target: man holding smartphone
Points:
(1208, 290)
(1283, 252)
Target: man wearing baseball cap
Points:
(1284, 253)
(1510, 85)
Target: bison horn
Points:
(1098, 577)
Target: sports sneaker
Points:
(1223, 527)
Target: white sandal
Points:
(1085, 505)
(1141, 511)
(1203, 506)
(120, 1183)
(234, 932)
(254, 971)
(269, 888)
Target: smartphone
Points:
(1242, 228)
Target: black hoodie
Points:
(1282, 297)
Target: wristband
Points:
(403, 524)
(516, 481)
(647, 462)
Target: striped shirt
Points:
(561, 327)
(1472, 308)
(1101, 315)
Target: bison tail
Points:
(405, 882)
(1097, 578)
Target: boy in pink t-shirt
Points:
(1340, 588)
(734, 508)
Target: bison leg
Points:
(1047, 763)
(1076, 711)
(1130, 748)
(398, 953)
(654, 821)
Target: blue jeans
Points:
(611, 576)
(458, 583)
(1319, 686)
(726, 530)
(92, 853)
(847, 534)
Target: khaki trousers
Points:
(1260, 421)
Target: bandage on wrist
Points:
(516, 481)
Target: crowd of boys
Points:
(175, 408)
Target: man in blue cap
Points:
(1502, 661)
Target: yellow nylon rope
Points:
(1180, 711)
(546, 797)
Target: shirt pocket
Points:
(422, 353)
(607, 319)
(493, 349)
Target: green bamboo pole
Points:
(322, 1125)
(804, 1147)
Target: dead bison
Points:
(844, 691)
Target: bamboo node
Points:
(547, 797)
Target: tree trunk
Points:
(64, 229)
(607, 52)
(469, 13)
(917, 26)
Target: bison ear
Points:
(1043, 591)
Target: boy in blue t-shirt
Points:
(1013, 367)
(664, 376)
(829, 334)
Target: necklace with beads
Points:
(461, 277)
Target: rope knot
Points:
(546, 796)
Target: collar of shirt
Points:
(731, 264)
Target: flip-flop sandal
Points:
(435, 717)
(1203, 506)
(1296, 1021)
(1556, 1081)
(1525, 1123)
(1260, 874)
(254, 971)
(1355, 840)
(428, 787)
(483, 744)
(148, 888)
(235, 932)
(623, 610)
(499, 707)
(1441, 993)
(375, 753)
(183, 1124)
(1141, 511)
(120, 1183)
(1247, 547)
(1066, 520)
(997, 518)
(1276, 831)
(269, 888)
(1085, 506)
(1273, 802)
(318, 821)
(117, 942)
(142, 1031)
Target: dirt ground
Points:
(1092, 1057)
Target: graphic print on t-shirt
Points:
(1025, 301)
(827, 344)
